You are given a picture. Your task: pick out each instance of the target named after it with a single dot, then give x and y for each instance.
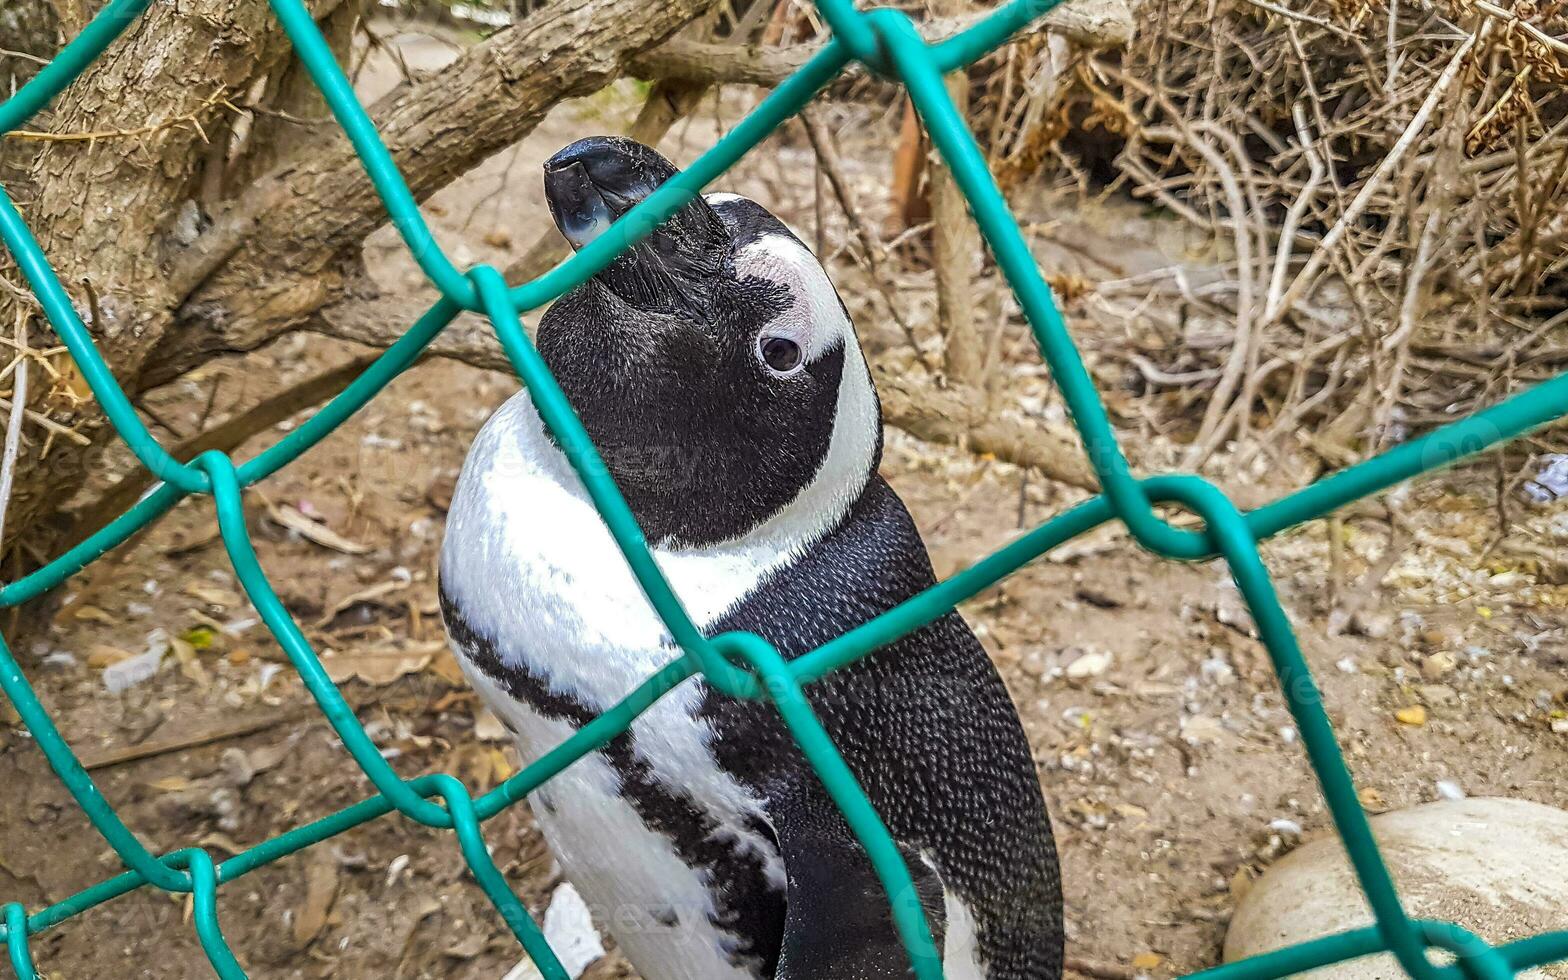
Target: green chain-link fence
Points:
(742, 665)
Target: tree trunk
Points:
(955, 260)
(105, 209)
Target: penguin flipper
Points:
(837, 923)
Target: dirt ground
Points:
(1166, 753)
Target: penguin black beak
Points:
(594, 181)
(580, 211)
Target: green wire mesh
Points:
(739, 664)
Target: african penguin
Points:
(718, 373)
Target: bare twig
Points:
(1399, 340)
(1298, 207)
(827, 158)
(224, 730)
(1210, 431)
(13, 428)
(191, 119)
(1373, 185)
(49, 424)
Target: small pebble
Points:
(1217, 671)
(1438, 666)
(1091, 664)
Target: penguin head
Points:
(713, 363)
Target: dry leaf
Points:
(222, 842)
(290, 517)
(1197, 729)
(1147, 961)
(1131, 811)
(381, 666)
(1413, 715)
(1371, 800)
(267, 757)
(488, 728)
(213, 595)
(321, 887)
(355, 598)
(92, 614)
(501, 767)
(69, 376)
(190, 665)
(445, 666)
(101, 655)
(1092, 663)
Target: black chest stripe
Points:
(746, 906)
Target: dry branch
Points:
(289, 243)
(286, 248)
(13, 428)
(946, 416)
(1089, 23)
(89, 200)
(1374, 184)
(953, 417)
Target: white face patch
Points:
(816, 321)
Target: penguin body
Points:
(718, 373)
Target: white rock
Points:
(1492, 865)
(1091, 664)
(123, 675)
(1217, 670)
(1200, 729)
(569, 929)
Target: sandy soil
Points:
(1167, 755)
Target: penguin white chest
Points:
(530, 568)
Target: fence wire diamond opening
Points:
(742, 665)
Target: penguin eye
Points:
(780, 354)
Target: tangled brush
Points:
(1386, 180)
